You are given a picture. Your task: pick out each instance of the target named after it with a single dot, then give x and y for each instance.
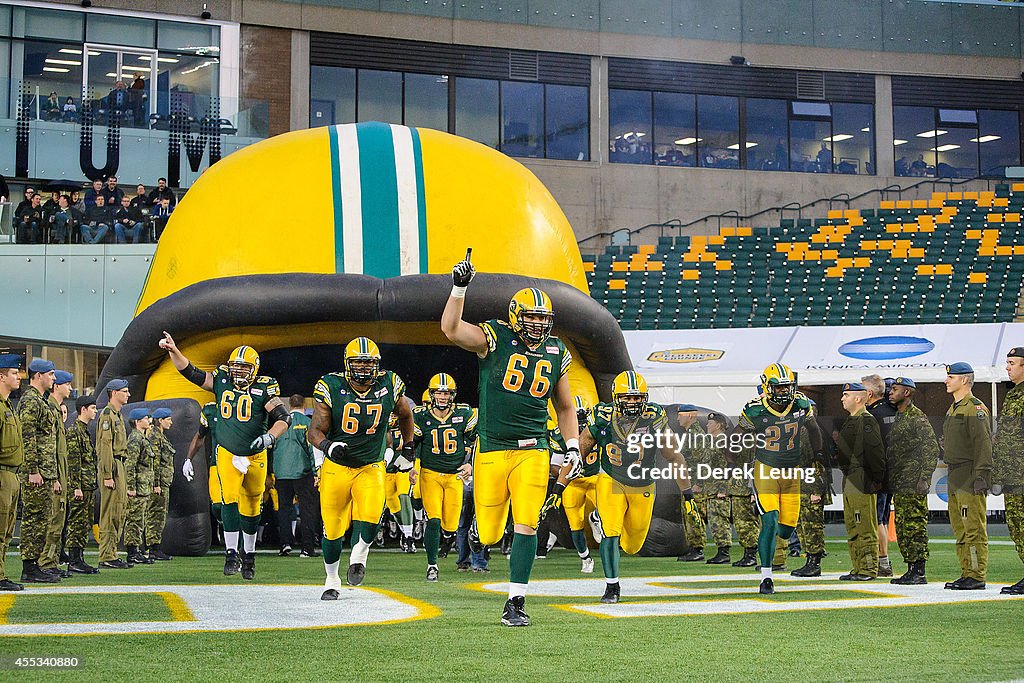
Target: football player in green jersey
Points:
(207, 417)
(444, 432)
(777, 417)
(349, 431)
(522, 367)
(625, 482)
(248, 402)
(397, 490)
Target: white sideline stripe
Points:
(351, 198)
(408, 202)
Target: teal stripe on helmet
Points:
(379, 194)
(339, 221)
(421, 208)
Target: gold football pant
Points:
(625, 511)
(442, 497)
(778, 490)
(214, 486)
(580, 493)
(396, 484)
(244, 489)
(350, 493)
(501, 478)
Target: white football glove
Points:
(574, 460)
(188, 470)
(389, 456)
(406, 460)
(318, 458)
(241, 463)
(262, 442)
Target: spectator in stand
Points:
(50, 207)
(824, 159)
(128, 220)
(141, 199)
(27, 201)
(92, 193)
(53, 107)
(97, 222)
(29, 221)
(112, 193)
(161, 215)
(69, 112)
(63, 221)
(919, 167)
(118, 99)
(137, 97)
(162, 192)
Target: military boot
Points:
(156, 554)
(811, 568)
(749, 558)
(144, 558)
(914, 576)
(77, 563)
(722, 557)
(31, 573)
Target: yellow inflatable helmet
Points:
(444, 383)
(583, 413)
(534, 304)
(778, 385)
(629, 391)
(243, 365)
(362, 360)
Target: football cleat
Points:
(418, 527)
(611, 593)
(329, 594)
(474, 539)
(767, 587)
(356, 574)
(432, 573)
(285, 550)
(629, 393)
(588, 566)
(379, 540)
(232, 565)
(595, 526)
(447, 541)
(248, 566)
(514, 613)
(407, 545)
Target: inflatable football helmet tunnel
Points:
(299, 243)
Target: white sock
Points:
(332, 575)
(295, 525)
(406, 529)
(359, 552)
(766, 572)
(231, 540)
(516, 590)
(883, 561)
(584, 555)
(249, 542)
(431, 565)
(607, 580)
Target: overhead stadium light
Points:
(932, 133)
(687, 141)
(986, 138)
(944, 148)
(837, 138)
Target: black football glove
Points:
(333, 450)
(462, 273)
(406, 460)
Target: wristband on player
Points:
(688, 494)
(458, 292)
(325, 445)
(558, 488)
(572, 443)
(193, 374)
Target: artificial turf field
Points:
(974, 641)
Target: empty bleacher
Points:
(956, 258)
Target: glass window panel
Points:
(5, 20)
(567, 125)
(522, 119)
(379, 96)
(915, 134)
(5, 77)
(48, 23)
(819, 109)
(116, 30)
(187, 83)
(476, 110)
(961, 116)
(718, 127)
(767, 129)
(332, 95)
(998, 140)
(629, 126)
(957, 155)
(810, 146)
(675, 129)
(426, 101)
(55, 72)
(181, 37)
(854, 154)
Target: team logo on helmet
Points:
(629, 392)
(243, 366)
(442, 391)
(778, 384)
(362, 360)
(535, 304)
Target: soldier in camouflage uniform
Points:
(81, 484)
(12, 454)
(716, 488)
(58, 511)
(163, 473)
(139, 482)
(967, 438)
(39, 482)
(913, 455)
(745, 517)
(814, 497)
(695, 522)
(1008, 457)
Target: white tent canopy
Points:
(720, 367)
